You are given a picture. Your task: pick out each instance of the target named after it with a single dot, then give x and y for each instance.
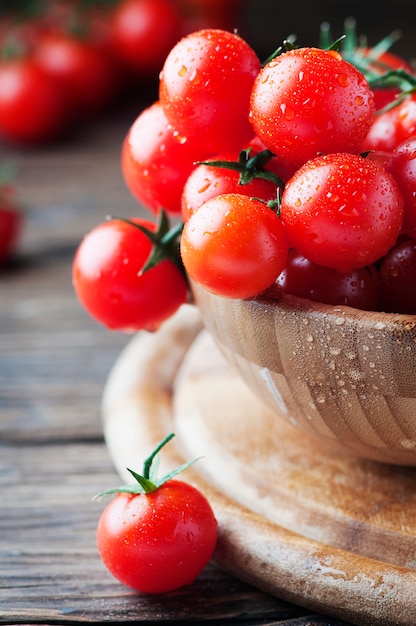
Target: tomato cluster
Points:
(70, 61)
(279, 173)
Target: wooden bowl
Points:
(343, 375)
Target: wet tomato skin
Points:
(342, 211)
(309, 101)
(156, 160)
(108, 281)
(402, 165)
(234, 245)
(205, 86)
(160, 541)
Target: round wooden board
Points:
(296, 518)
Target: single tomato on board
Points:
(156, 535)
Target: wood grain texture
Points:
(54, 362)
(343, 375)
(331, 533)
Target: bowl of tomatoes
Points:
(292, 186)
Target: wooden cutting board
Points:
(297, 519)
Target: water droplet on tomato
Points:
(343, 80)
(287, 111)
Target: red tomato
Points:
(359, 289)
(108, 281)
(233, 245)
(205, 87)
(157, 534)
(208, 181)
(402, 165)
(156, 161)
(81, 70)
(342, 211)
(10, 229)
(383, 135)
(391, 128)
(309, 101)
(160, 541)
(143, 32)
(397, 275)
(32, 108)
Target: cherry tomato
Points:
(157, 535)
(143, 32)
(205, 87)
(157, 542)
(10, 228)
(397, 275)
(402, 165)
(32, 108)
(359, 289)
(309, 101)
(156, 161)
(207, 181)
(342, 211)
(390, 128)
(108, 281)
(81, 70)
(233, 245)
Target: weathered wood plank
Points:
(50, 567)
(54, 361)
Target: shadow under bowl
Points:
(344, 375)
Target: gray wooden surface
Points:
(53, 365)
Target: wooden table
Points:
(54, 361)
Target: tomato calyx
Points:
(164, 239)
(249, 167)
(148, 481)
(369, 61)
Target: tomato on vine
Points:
(234, 245)
(247, 174)
(157, 534)
(127, 276)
